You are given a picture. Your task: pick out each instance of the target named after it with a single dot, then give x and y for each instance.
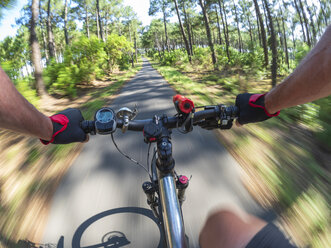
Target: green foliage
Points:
(24, 86)
(325, 120)
(85, 61)
(200, 56)
(14, 54)
(250, 61)
(174, 57)
(117, 50)
(10, 69)
(88, 54)
(301, 51)
(230, 84)
(305, 113)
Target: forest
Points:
(208, 49)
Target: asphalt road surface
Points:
(100, 201)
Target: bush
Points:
(201, 56)
(86, 60)
(300, 52)
(174, 57)
(61, 78)
(24, 86)
(10, 69)
(118, 49)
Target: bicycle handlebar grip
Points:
(184, 104)
(88, 126)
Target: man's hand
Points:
(251, 108)
(66, 127)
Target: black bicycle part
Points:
(104, 121)
(150, 189)
(199, 118)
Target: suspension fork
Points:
(171, 208)
(169, 204)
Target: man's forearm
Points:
(310, 81)
(17, 114)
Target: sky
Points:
(140, 7)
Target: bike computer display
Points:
(105, 122)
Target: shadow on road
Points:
(113, 238)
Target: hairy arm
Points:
(310, 81)
(17, 114)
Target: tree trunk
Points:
(250, 30)
(280, 33)
(303, 30)
(218, 26)
(132, 60)
(306, 22)
(43, 35)
(311, 23)
(273, 46)
(225, 28)
(98, 27)
(323, 13)
(265, 17)
(87, 22)
(99, 21)
(246, 13)
(183, 33)
(285, 44)
(45, 45)
(35, 49)
(165, 27)
(263, 34)
(190, 32)
(187, 27)
(106, 24)
(293, 37)
(65, 21)
(210, 41)
(51, 45)
(258, 30)
(135, 46)
(238, 28)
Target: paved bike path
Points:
(100, 200)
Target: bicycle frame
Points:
(169, 188)
(169, 206)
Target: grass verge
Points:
(282, 163)
(30, 172)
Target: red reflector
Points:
(152, 139)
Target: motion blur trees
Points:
(244, 33)
(67, 55)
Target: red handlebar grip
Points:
(184, 104)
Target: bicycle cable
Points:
(149, 148)
(128, 157)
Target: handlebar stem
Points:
(165, 162)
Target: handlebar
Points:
(217, 114)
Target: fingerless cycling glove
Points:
(66, 127)
(251, 108)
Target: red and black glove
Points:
(66, 127)
(251, 108)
